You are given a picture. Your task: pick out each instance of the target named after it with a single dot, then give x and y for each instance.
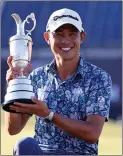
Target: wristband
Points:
(49, 118)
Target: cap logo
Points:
(55, 18)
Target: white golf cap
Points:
(64, 16)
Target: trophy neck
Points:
(20, 29)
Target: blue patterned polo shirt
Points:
(86, 92)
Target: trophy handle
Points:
(32, 16)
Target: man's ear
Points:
(46, 37)
(83, 35)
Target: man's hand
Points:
(39, 108)
(14, 72)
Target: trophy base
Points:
(5, 105)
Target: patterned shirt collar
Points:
(80, 70)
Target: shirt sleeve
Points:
(98, 100)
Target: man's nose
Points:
(66, 39)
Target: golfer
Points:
(72, 96)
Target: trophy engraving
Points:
(20, 88)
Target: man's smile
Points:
(67, 49)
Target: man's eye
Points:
(73, 34)
(58, 34)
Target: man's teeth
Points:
(66, 49)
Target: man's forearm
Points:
(14, 123)
(76, 128)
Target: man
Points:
(72, 96)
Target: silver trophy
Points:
(20, 88)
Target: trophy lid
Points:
(19, 37)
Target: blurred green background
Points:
(110, 141)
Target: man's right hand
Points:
(14, 72)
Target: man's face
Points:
(65, 42)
